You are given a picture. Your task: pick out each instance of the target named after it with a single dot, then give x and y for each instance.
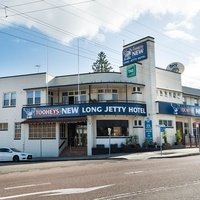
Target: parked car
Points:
(12, 154)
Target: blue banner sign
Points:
(148, 130)
(178, 109)
(135, 53)
(84, 110)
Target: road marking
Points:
(25, 186)
(57, 192)
(134, 172)
(130, 194)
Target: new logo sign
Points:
(135, 53)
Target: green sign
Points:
(131, 70)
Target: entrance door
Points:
(77, 135)
(71, 135)
(81, 135)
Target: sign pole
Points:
(109, 133)
(160, 143)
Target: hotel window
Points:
(161, 93)
(195, 101)
(118, 128)
(170, 94)
(174, 94)
(107, 95)
(137, 123)
(165, 93)
(62, 131)
(17, 131)
(3, 126)
(9, 99)
(42, 131)
(167, 123)
(184, 101)
(136, 90)
(65, 97)
(114, 95)
(33, 97)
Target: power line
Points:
(44, 9)
(37, 34)
(147, 27)
(58, 29)
(23, 4)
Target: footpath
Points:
(172, 153)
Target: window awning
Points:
(68, 120)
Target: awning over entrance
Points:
(68, 120)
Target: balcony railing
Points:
(92, 101)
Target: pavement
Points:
(170, 153)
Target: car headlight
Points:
(23, 154)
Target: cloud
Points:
(65, 20)
(177, 25)
(179, 34)
(190, 76)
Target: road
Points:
(156, 179)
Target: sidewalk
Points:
(172, 153)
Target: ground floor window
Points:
(3, 126)
(118, 127)
(167, 123)
(63, 131)
(42, 131)
(17, 131)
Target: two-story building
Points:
(46, 115)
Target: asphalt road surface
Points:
(156, 179)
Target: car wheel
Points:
(16, 158)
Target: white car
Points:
(12, 154)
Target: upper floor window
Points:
(107, 95)
(3, 126)
(136, 90)
(74, 97)
(9, 99)
(184, 100)
(195, 101)
(33, 97)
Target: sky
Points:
(64, 37)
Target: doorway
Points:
(77, 135)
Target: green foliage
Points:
(178, 136)
(102, 64)
(133, 140)
(165, 137)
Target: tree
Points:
(102, 64)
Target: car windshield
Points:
(15, 150)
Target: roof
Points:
(191, 91)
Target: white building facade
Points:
(46, 115)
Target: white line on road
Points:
(57, 192)
(25, 186)
(134, 172)
(158, 189)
